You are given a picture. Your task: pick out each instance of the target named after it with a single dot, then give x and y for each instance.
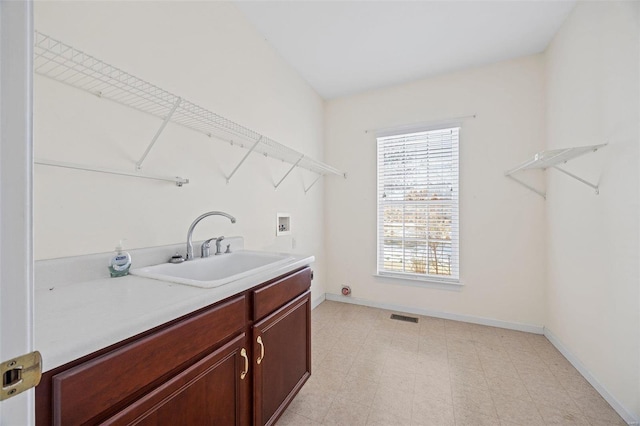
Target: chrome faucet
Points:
(204, 250)
(193, 225)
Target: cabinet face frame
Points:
(274, 323)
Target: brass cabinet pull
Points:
(243, 354)
(261, 357)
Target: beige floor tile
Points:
(498, 367)
(433, 331)
(432, 365)
(471, 418)
(538, 378)
(508, 386)
(395, 401)
(493, 350)
(380, 416)
(358, 390)
(337, 362)
(430, 388)
(576, 385)
(610, 422)
(597, 409)
(458, 333)
(430, 351)
(517, 411)
(551, 396)
(460, 346)
(469, 399)
(312, 404)
(369, 369)
(289, 418)
(464, 360)
(406, 344)
(324, 380)
(468, 377)
(346, 414)
(402, 380)
(365, 369)
(432, 412)
(516, 342)
(401, 360)
(407, 330)
(570, 415)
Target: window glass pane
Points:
(418, 203)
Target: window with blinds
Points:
(418, 205)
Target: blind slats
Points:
(418, 217)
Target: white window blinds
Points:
(418, 205)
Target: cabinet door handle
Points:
(243, 354)
(261, 357)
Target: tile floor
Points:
(371, 370)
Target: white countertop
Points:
(74, 320)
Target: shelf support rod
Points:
(177, 180)
(244, 158)
(312, 183)
(578, 178)
(529, 187)
(289, 171)
(157, 135)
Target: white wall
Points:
(503, 265)
(208, 53)
(593, 287)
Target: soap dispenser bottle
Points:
(120, 262)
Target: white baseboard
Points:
(626, 415)
(537, 329)
(318, 300)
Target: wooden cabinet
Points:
(282, 353)
(199, 369)
(212, 391)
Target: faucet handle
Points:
(218, 240)
(228, 248)
(176, 258)
(204, 249)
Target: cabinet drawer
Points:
(97, 386)
(270, 297)
(210, 392)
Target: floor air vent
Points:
(404, 318)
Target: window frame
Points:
(419, 279)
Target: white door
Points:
(16, 259)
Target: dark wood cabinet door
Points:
(213, 391)
(99, 387)
(281, 358)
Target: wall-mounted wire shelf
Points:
(551, 159)
(177, 180)
(73, 67)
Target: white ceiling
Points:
(345, 47)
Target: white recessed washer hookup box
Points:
(283, 224)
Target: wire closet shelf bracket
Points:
(70, 66)
(552, 159)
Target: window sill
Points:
(425, 282)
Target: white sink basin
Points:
(215, 271)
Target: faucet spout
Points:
(193, 225)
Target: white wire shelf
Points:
(63, 63)
(552, 159)
(177, 180)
